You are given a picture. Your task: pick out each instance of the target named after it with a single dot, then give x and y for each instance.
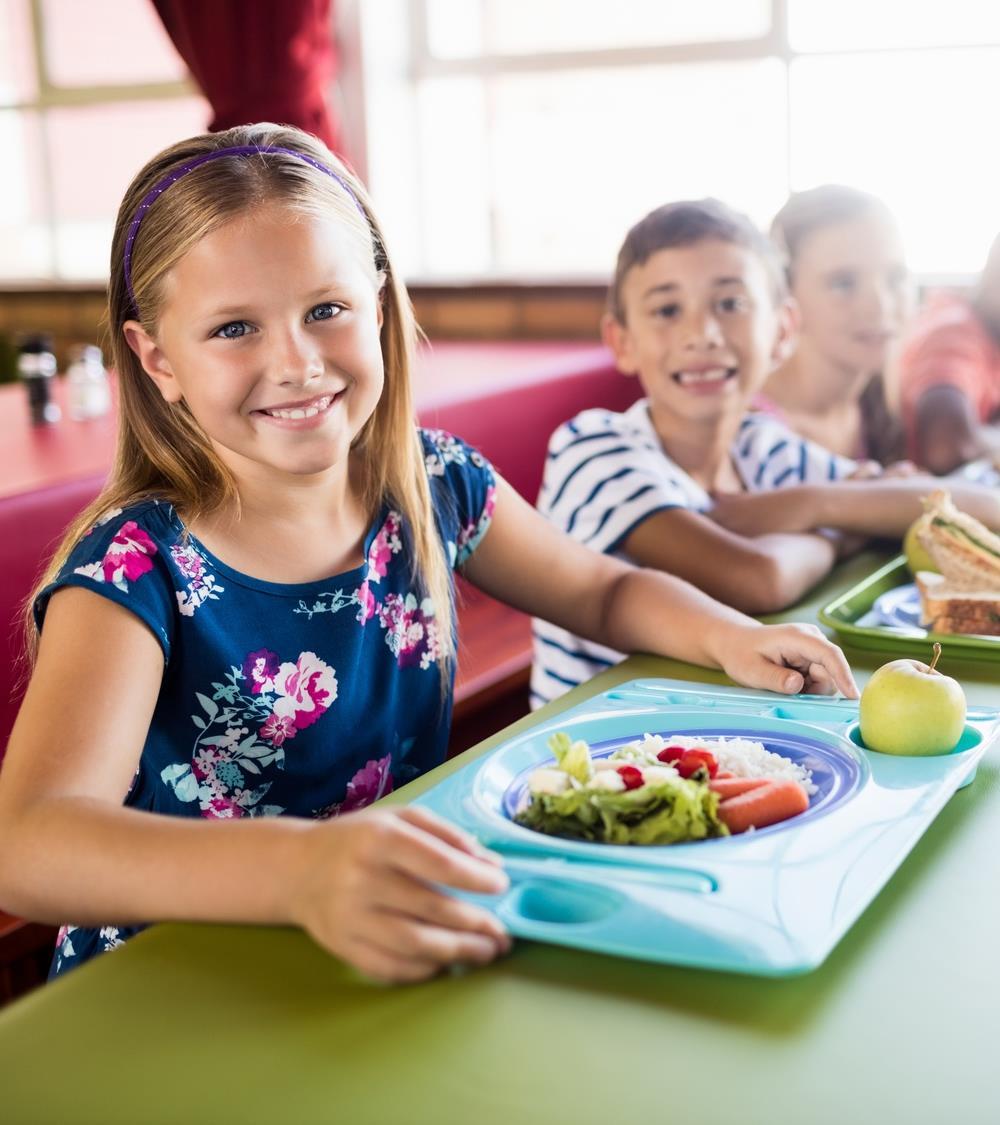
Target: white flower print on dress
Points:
(106, 518)
(448, 450)
(111, 938)
(201, 587)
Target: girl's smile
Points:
(303, 415)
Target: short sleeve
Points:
(769, 455)
(121, 560)
(463, 490)
(603, 478)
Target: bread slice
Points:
(950, 607)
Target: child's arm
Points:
(865, 507)
(756, 575)
(948, 432)
(525, 561)
(69, 851)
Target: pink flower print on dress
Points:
(201, 586)
(260, 668)
(372, 781)
(128, 557)
(277, 728)
(385, 544)
(411, 630)
(189, 562)
(220, 808)
(366, 602)
(305, 689)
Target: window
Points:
(88, 92)
(523, 137)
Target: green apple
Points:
(917, 555)
(908, 707)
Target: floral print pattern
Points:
(201, 586)
(128, 557)
(238, 741)
(372, 781)
(411, 631)
(446, 450)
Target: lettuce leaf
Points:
(572, 757)
(663, 812)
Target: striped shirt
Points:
(606, 473)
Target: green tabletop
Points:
(211, 1023)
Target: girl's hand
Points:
(364, 891)
(785, 658)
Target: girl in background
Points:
(847, 273)
(248, 637)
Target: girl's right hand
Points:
(364, 892)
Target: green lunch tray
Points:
(845, 612)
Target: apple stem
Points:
(937, 654)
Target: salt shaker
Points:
(36, 364)
(89, 396)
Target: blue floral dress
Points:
(303, 700)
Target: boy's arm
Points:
(764, 574)
(524, 561)
(864, 507)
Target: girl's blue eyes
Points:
(237, 329)
(326, 311)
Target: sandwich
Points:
(965, 596)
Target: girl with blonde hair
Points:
(248, 637)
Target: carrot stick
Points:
(769, 804)
(733, 786)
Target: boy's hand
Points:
(366, 889)
(872, 470)
(866, 470)
(785, 658)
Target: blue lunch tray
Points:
(771, 902)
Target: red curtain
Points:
(269, 60)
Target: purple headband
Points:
(239, 150)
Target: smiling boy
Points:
(688, 480)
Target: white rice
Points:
(742, 757)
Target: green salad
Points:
(618, 800)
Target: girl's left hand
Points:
(785, 658)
